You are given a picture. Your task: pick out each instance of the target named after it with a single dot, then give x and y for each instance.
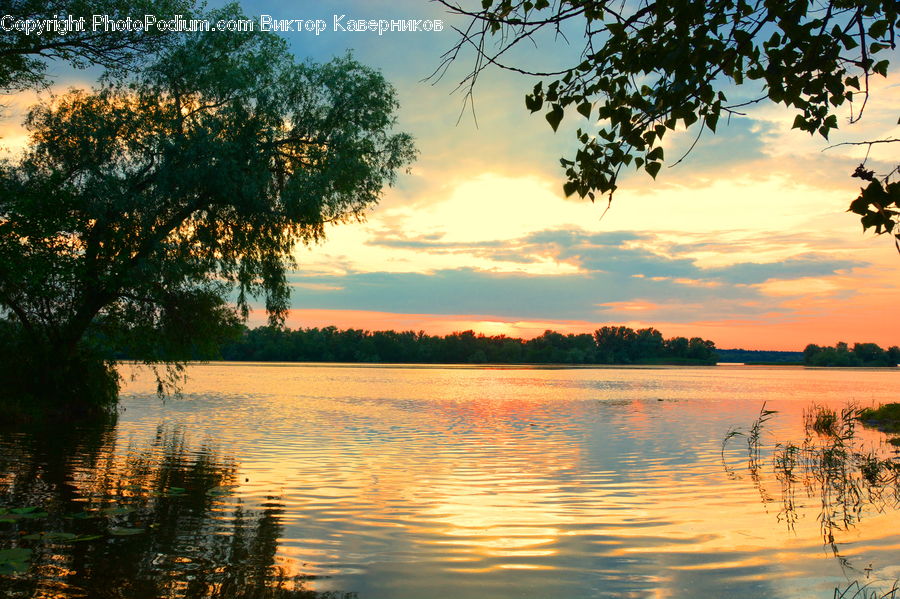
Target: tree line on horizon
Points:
(861, 354)
(607, 345)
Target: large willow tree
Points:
(147, 213)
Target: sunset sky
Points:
(747, 242)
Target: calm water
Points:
(419, 482)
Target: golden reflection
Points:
(585, 475)
(149, 521)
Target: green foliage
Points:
(851, 477)
(885, 417)
(753, 356)
(608, 345)
(651, 67)
(862, 354)
(141, 208)
(23, 56)
(14, 561)
(878, 204)
(29, 368)
(822, 420)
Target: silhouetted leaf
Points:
(555, 116)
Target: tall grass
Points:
(856, 590)
(831, 465)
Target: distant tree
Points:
(548, 348)
(510, 351)
(677, 347)
(810, 352)
(647, 67)
(870, 353)
(477, 357)
(649, 343)
(893, 355)
(140, 209)
(614, 344)
(862, 354)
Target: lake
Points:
(401, 482)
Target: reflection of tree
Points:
(156, 521)
(830, 464)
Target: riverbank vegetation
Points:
(862, 354)
(850, 476)
(607, 345)
(885, 417)
(754, 356)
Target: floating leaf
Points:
(22, 513)
(84, 516)
(14, 561)
(125, 532)
(51, 536)
(170, 492)
(86, 538)
(23, 510)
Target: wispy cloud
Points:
(615, 272)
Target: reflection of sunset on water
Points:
(400, 479)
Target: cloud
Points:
(747, 238)
(616, 271)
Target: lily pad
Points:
(62, 537)
(51, 536)
(14, 561)
(23, 510)
(125, 532)
(170, 492)
(219, 491)
(20, 513)
(84, 516)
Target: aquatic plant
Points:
(856, 590)
(885, 417)
(830, 464)
(752, 435)
(821, 419)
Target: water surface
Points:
(409, 482)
